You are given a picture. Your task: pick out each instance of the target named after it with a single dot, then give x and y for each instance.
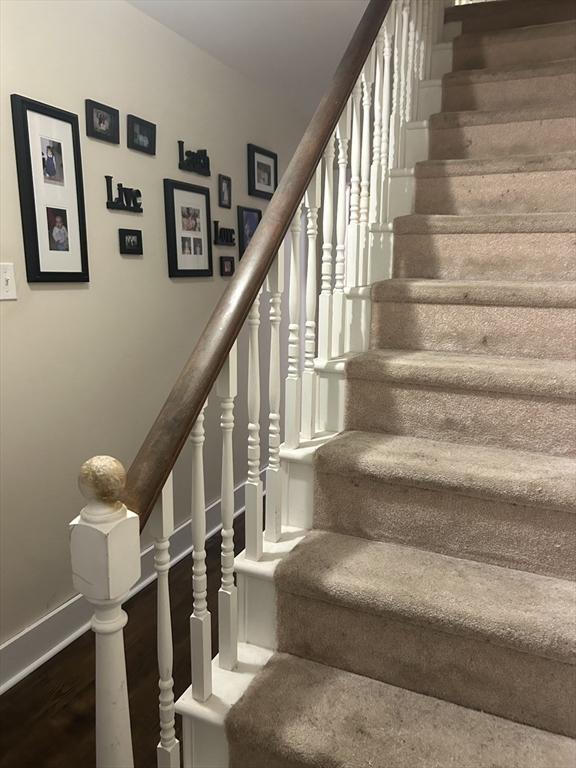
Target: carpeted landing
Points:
(429, 620)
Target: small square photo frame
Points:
(248, 220)
(130, 242)
(227, 266)
(141, 135)
(262, 172)
(102, 122)
(188, 229)
(224, 191)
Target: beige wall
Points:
(85, 367)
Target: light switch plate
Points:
(7, 282)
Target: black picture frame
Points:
(21, 106)
(175, 236)
(130, 241)
(257, 186)
(227, 266)
(95, 114)
(141, 135)
(224, 182)
(246, 216)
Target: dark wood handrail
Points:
(162, 445)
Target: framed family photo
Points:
(224, 191)
(248, 220)
(226, 266)
(49, 163)
(141, 135)
(188, 229)
(130, 242)
(102, 122)
(262, 172)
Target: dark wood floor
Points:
(47, 720)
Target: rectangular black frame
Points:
(252, 149)
(242, 244)
(227, 260)
(125, 250)
(221, 177)
(114, 137)
(173, 271)
(20, 106)
(131, 119)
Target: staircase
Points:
(428, 619)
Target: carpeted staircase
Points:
(429, 620)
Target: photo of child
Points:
(190, 219)
(197, 246)
(52, 165)
(186, 246)
(57, 229)
(263, 174)
(102, 121)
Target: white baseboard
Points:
(30, 648)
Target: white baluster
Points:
(325, 300)
(105, 550)
(226, 390)
(394, 132)
(376, 167)
(355, 157)
(312, 202)
(408, 106)
(275, 286)
(338, 299)
(161, 527)
(293, 402)
(422, 70)
(428, 38)
(367, 81)
(386, 112)
(403, 77)
(200, 637)
(254, 503)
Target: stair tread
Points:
(506, 607)
(506, 36)
(499, 293)
(475, 117)
(302, 714)
(498, 223)
(554, 161)
(514, 72)
(518, 375)
(521, 477)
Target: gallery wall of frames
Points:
(51, 187)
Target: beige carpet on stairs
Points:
(429, 620)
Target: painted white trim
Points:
(33, 646)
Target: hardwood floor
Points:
(47, 720)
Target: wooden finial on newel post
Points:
(105, 549)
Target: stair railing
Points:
(359, 127)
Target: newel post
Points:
(105, 548)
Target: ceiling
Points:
(287, 46)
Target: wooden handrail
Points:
(161, 447)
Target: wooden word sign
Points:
(127, 199)
(223, 236)
(197, 162)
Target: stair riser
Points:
(510, 94)
(503, 139)
(533, 539)
(517, 331)
(553, 191)
(465, 670)
(484, 418)
(525, 256)
(526, 49)
(521, 16)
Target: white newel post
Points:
(275, 286)
(105, 551)
(254, 494)
(226, 390)
(293, 403)
(325, 299)
(312, 202)
(161, 526)
(200, 630)
(338, 298)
